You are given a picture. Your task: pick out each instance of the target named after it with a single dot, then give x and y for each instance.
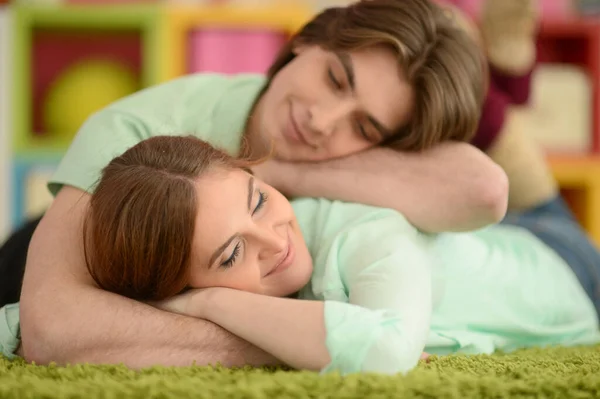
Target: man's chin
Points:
(282, 152)
(292, 154)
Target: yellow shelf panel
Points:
(579, 180)
(576, 171)
(178, 21)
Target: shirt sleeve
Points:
(10, 335)
(104, 136)
(386, 269)
(164, 109)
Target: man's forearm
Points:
(103, 328)
(452, 187)
(65, 319)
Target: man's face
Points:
(325, 105)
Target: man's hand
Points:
(275, 173)
(65, 318)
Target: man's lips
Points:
(293, 130)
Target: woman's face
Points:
(246, 237)
(324, 105)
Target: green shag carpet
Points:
(534, 373)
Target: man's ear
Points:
(298, 47)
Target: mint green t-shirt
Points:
(212, 107)
(392, 292)
(10, 335)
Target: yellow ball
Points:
(83, 89)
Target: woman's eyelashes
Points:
(262, 200)
(231, 260)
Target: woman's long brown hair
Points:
(140, 223)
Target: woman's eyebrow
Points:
(250, 192)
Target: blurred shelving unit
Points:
(227, 38)
(68, 61)
(52, 42)
(575, 40)
(71, 59)
(579, 180)
(5, 114)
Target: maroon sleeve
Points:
(492, 118)
(516, 88)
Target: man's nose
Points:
(326, 117)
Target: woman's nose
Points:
(273, 241)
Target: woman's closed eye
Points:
(262, 200)
(232, 258)
(230, 261)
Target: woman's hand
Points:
(190, 303)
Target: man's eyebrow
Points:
(348, 66)
(220, 250)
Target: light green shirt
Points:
(9, 330)
(392, 292)
(212, 107)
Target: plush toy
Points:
(507, 32)
(508, 28)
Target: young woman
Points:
(173, 213)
